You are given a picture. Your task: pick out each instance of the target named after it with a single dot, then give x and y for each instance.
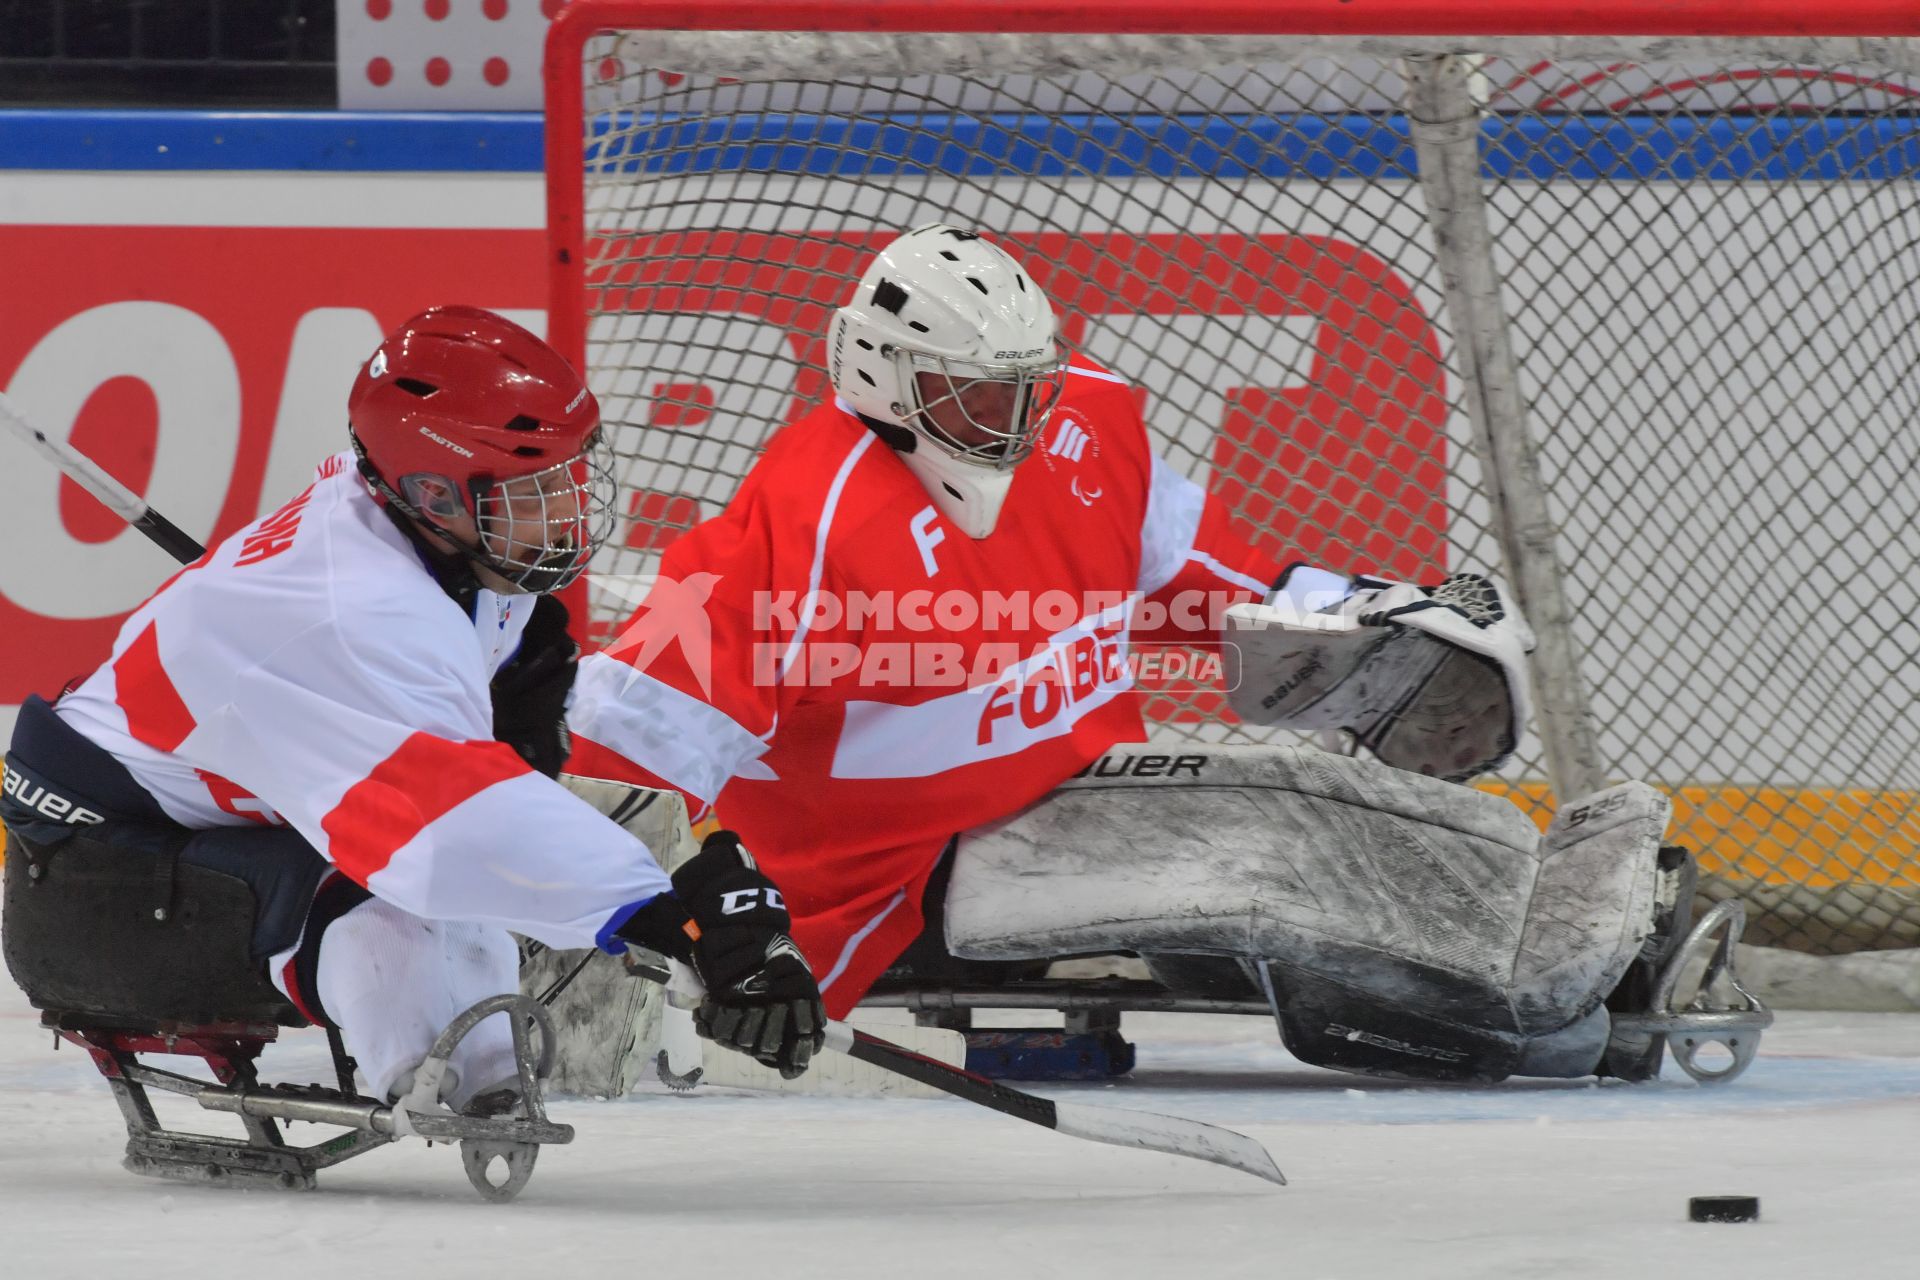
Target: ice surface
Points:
(1521, 1181)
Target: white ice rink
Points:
(1520, 1181)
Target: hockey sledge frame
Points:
(265, 1158)
(1687, 1029)
(1735, 1021)
(230, 1051)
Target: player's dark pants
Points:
(135, 916)
(927, 960)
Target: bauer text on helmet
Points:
(483, 435)
(947, 337)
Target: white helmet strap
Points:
(970, 496)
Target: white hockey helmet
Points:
(948, 339)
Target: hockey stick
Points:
(1143, 1129)
(560, 984)
(119, 499)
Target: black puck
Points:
(1724, 1208)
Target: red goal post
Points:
(1616, 300)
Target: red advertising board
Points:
(192, 362)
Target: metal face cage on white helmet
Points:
(997, 429)
(539, 531)
(948, 337)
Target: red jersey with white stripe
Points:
(852, 680)
(309, 670)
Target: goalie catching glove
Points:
(727, 920)
(1430, 679)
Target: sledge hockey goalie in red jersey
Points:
(918, 612)
(913, 630)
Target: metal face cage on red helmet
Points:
(537, 531)
(474, 428)
(540, 531)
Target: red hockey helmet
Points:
(471, 425)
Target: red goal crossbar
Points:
(1250, 17)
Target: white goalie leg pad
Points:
(1593, 902)
(1431, 681)
(1417, 893)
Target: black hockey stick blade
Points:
(169, 537)
(1142, 1129)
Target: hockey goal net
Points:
(1627, 313)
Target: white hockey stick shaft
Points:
(86, 473)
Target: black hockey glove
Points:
(530, 691)
(761, 997)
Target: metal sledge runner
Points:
(264, 1157)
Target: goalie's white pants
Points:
(392, 981)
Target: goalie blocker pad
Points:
(1408, 926)
(1430, 681)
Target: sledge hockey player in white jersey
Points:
(321, 756)
(1390, 921)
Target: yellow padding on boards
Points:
(1816, 838)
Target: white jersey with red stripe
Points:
(851, 680)
(310, 670)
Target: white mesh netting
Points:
(1708, 268)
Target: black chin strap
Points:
(896, 437)
(453, 570)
